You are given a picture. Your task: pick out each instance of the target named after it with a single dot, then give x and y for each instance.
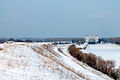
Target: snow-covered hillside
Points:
(107, 51)
(43, 61)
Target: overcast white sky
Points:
(59, 18)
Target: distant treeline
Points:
(114, 40)
(73, 40)
(2, 40)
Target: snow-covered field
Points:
(107, 51)
(43, 61)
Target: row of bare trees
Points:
(98, 63)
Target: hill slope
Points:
(43, 61)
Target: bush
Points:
(91, 60)
(74, 51)
(1, 49)
(115, 73)
(98, 63)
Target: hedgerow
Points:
(96, 62)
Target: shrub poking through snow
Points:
(98, 63)
(1, 49)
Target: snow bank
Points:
(43, 61)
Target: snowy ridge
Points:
(43, 61)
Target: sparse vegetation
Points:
(1, 49)
(98, 63)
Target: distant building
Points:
(92, 39)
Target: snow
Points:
(107, 51)
(43, 61)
